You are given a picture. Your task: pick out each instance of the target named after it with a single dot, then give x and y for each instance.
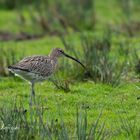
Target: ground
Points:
(115, 103)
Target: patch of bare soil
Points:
(7, 36)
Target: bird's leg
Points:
(32, 94)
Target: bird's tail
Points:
(17, 68)
(10, 67)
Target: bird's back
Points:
(39, 66)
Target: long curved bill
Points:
(74, 59)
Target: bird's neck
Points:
(54, 62)
(53, 56)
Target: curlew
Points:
(38, 68)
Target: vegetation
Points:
(99, 103)
(97, 55)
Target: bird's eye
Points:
(61, 51)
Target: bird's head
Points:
(57, 52)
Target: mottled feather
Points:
(40, 65)
(38, 68)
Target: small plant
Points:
(59, 83)
(97, 55)
(138, 66)
(8, 56)
(129, 26)
(126, 126)
(18, 123)
(136, 60)
(95, 132)
(8, 4)
(126, 7)
(63, 85)
(57, 17)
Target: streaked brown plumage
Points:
(38, 68)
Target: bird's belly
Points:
(29, 76)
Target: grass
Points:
(104, 16)
(119, 105)
(88, 95)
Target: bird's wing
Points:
(35, 64)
